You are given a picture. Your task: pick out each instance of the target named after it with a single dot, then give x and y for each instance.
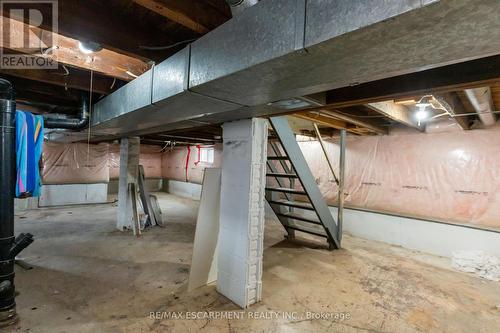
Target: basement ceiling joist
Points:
(72, 79)
(65, 50)
(396, 112)
(191, 14)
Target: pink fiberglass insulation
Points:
(174, 164)
(75, 163)
(451, 176)
(150, 159)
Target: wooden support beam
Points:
(474, 73)
(396, 112)
(355, 121)
(188, 13)
(75, 79)
(67, 51)
(327, 121)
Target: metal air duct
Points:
(238, 6)
(481, 100)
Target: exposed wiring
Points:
(65, 70)
(132, 74)
(160, 48)
(113, 84)
(90, 113)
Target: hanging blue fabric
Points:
(21, 152)
(38, 139)
(29, 147)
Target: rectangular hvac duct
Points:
(345, 43)
(158, 97)
(279, 50)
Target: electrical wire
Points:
(161, 48)
(90, 113)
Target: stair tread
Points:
(296, 204)
(285, 190)
(318, 231)
(301, 218)
(277, 157)
(282, 174)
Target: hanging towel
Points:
(29, 147)
(30, 179)
(21, 152)
(38, 139)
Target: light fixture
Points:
(89, 47)
(421, 115)
(425, 101)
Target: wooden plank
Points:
(66, 50)
(136, 226)
(355, 121)
(327, 121)
(396, 112)
(187, 13)
(145, 197)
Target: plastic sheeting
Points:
(445, 176)
(75, 163)
(150, 159)
(174, 164)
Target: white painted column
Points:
(129, 163)
(242, 213)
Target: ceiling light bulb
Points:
(87, 47)
(422, 114)
(84, 49)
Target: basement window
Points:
(207, 155)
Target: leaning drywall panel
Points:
(204, 262)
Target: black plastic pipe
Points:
(61, 121)
(7, 193)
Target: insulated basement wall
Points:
(78, 163)
(182, 164)
(75, 163)
(449, 176)
(150, 158)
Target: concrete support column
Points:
(129, 164)
(241, 230)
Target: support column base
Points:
(8, 317)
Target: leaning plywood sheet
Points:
(204, 263)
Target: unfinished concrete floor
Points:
(88, 277)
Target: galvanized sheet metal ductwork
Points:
(282, 49)
(238, 6)
(482, 102)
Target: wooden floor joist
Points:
(66, 50)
